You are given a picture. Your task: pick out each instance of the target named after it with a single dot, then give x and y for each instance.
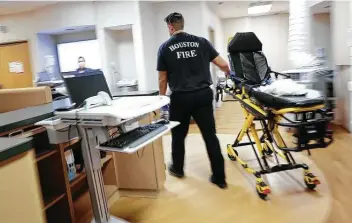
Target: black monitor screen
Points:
(82, 86)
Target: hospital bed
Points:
(266, 115)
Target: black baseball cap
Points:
(173, 17)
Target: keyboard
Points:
(135, 137)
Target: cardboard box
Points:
(14, 99)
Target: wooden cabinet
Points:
(67, 201)
(141, 170)
(20, 190)
(144, 170)
(51, 175)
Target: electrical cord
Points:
(69, 129)
(69, 135)
(81, 168)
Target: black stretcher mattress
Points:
(280, 102)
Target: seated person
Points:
(82, 65)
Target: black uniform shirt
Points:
(83, 70)
(186, 59)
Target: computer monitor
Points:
(82, 86)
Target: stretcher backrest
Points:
(246, 58)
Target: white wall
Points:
(146, 19)
(57, 17)
(25, 26)
(211, 20)
(340, 22)
(75, 37)
(321, 36)
(150, 46)
(271, 30)
(111, 58)
(191, 12)
(125, 54)
(46, 47)
(116, 14)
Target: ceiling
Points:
(11, 7)
(233, 9)
(224, 9)
(321, 7)
(69, 30)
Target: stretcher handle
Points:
(281, 74)
(238, 79)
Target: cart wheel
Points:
(231, 157)
(311, 181)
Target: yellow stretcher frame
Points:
(265, 146)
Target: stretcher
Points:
(266, 115)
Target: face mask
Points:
(81, 64)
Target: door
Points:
(212, 41)
(212, 66)
(15, 67)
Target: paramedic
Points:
(184, 64)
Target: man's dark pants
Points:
(199, 105)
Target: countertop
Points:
(136, 93)
(10, 147)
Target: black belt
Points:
(193, 91)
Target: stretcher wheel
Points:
(311, 181)
(231, 157)
(262, 190)
(261, 195)
(310, 186)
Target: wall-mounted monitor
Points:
(69, 52)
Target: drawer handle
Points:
(20, 132)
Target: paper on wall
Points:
(49, 60)
(16, 67)
(19, 68)
(12, 67)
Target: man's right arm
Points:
(216, 59)
(161, 67)
(162, 82)
(221, 64)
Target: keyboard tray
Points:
(130, 150)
